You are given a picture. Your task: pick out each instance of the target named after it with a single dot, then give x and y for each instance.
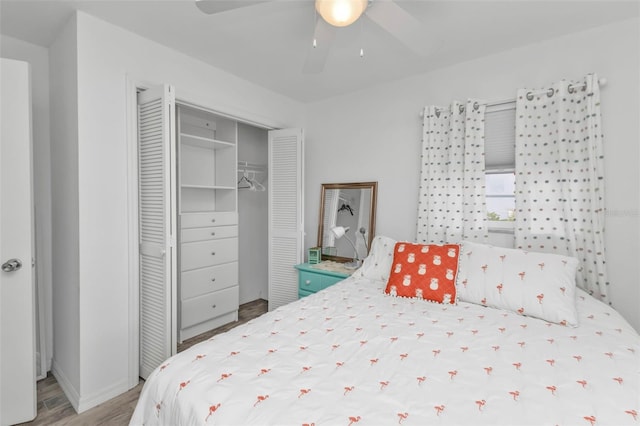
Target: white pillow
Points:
(377, 265)
(540, 285)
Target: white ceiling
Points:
(267, 43)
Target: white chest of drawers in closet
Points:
(208, 271)
(208, 245)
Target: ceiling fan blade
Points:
(216, 6)
(400, 24)
(317, 56)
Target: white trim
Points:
(132, 225)
(39, 373)
(87, 402)
(499, 171)
(40, 292)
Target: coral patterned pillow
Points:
(540, 285)
(424, 271)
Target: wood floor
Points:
(54, 407)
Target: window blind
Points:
(500, 136)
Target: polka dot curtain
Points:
(451, 204)
(560, 177)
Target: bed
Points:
(353, 355)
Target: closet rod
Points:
(572, 86)
(251, 167)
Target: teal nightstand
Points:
(313, 278)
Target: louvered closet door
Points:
(286, 227)
(157, 226)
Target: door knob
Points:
(11, 265)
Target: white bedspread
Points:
(351, 355)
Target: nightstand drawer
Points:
(211, 305)
(312, 282)
(312, 278)
(201, 281)
(209, 233)
(208, 253)
(199, 220)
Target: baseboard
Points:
(84, 403)
(69, 390)
(97, 398)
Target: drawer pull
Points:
(213, 234)
(213, 253)
(213, 306)
(213, 279)
(307, 282)
(213, 220)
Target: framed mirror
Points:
(349, 209)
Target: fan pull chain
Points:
(315, 23)
(361, 47)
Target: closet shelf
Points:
(204, 142)
(207, 186)
(201, 212)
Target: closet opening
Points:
(222, 205)
(253, 212)
(200, 207)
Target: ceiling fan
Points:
(340, 13)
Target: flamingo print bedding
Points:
(351, 355)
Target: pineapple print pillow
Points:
(540, 285)
(424, 271)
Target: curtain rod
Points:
(573, 86)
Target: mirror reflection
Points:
(347, 221)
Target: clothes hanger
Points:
(346, 207)
(245, 183)
(257, 186)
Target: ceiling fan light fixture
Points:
(341, 13)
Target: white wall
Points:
(38, 58)
(253, 218)
(106, 56)
(65, 211)
(378, 134)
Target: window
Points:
(500, 162)
(500, 195)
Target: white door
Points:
(286, 225)
(17, 301)
(157, 226)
